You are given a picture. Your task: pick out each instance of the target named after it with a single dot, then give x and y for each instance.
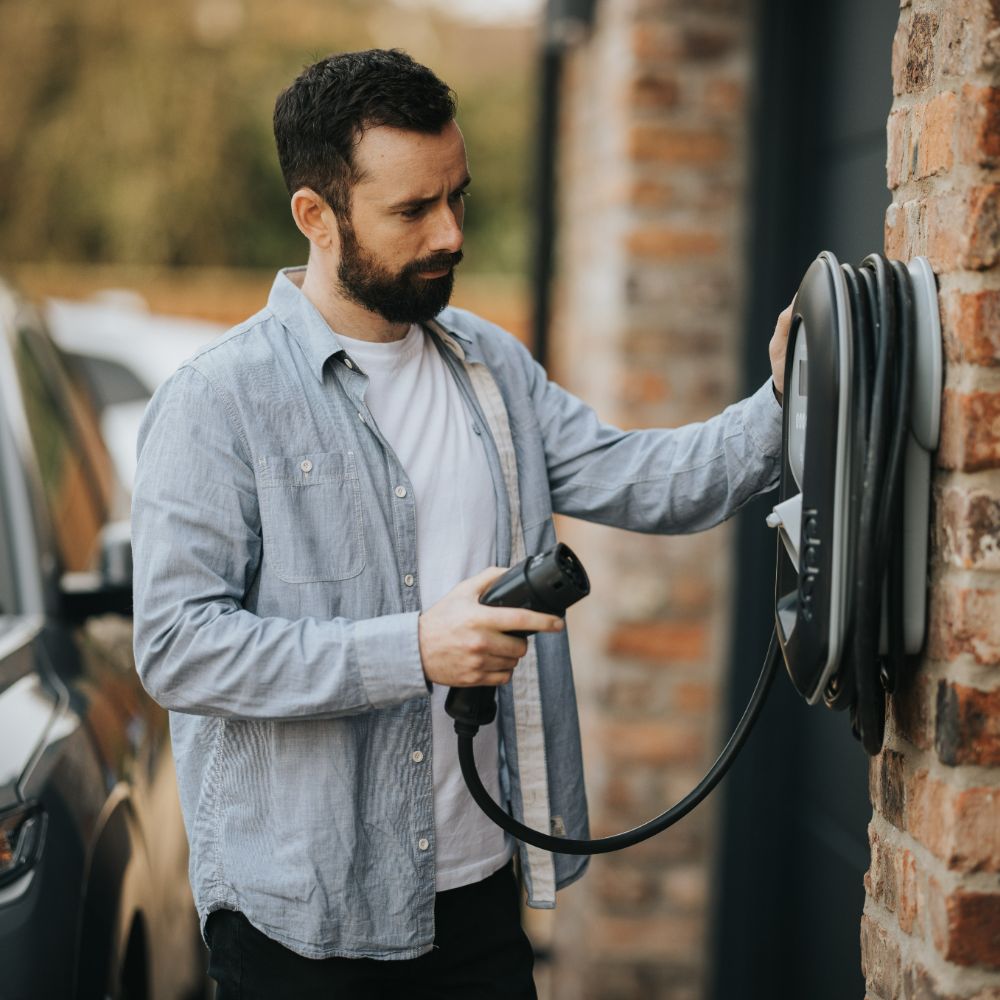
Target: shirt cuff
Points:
(388, 657)
(762, 421)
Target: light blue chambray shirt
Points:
(276, 606)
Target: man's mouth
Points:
(437, 267)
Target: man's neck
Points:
(345, 316)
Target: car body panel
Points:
(108, 898)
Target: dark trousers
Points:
(479, 950)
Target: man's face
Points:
(399, 248)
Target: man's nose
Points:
(448, 235)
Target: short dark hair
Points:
(322, 116)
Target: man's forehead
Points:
(394, 157)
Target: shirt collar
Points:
(303, 320)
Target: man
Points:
(321, 497)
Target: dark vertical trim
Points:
(550, 76)
(750, 905)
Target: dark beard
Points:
(404, 297)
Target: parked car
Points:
(124, 352)
(94, 896)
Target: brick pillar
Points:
(652, 179)
(931, 926)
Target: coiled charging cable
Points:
(882, 311)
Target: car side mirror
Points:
(108, 589)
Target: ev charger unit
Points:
(861, 417)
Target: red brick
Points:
(649, 193)
(669, 243)
(644, 937)
(654, 91)
(663, 642)
(982, 228)
(920, 984)
(695, 696)
(959, 826)
(725, 98)
(887, 785)
(954, 230)
(891, 880)
(681, 843)
(967, 725)
(932, 226)
(972, 327)
(898, 161)
(970, 430)
(687, 886)
(642, 387)
(624, 886)
(656, 41)
(973, 929)
(967, 529)
(957, 37)
(881, 961)
(670, 144)
(655, 742)
(964, 621)
(934, 135)
(691, 594)
(918, 67)
(911, 711)
(707, 43)
(981, 125)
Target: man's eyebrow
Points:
(411, 203)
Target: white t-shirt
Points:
(420, 411)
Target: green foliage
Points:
(141, 134)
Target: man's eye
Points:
(412, 213)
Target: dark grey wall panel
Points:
(794, 845)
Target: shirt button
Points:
(348, 362)
(423, 843)
(417, 756)
(400, 491)
(306, 465)
(409, 580)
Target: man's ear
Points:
(315, 219)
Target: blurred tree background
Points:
(140, 134)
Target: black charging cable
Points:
(533, 584)
(880, 294)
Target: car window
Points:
(73, 464)
(110, 382)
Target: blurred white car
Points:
(124, 352)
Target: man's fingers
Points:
(509, 647)
(521, 620)
(499, 678)
(777, 346)
(478, 583)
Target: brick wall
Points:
(931, 926)
(652, 179)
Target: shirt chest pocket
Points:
(310, 514)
